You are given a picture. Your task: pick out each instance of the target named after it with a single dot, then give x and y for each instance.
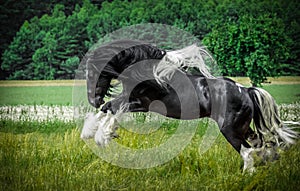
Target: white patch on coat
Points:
(102, 127)
(106, 129)
(248, 159)
(90, 126)
(240, 86)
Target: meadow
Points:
(48, 154)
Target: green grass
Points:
(62, 95)
(50, 155)
(36, 95)
(36, 159)
(287, 93)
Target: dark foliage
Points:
(248, 38)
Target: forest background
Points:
(47, 39)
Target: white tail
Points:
(267, 120)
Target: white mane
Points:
(189, 57)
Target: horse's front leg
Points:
(120, 104)
(113, 105)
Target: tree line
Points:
(248, 38)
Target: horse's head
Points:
(109, 61)
(100, 71)
(96, 95)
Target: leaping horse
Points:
(180, 80)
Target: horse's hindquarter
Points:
(229, 101)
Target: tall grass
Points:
(43, 151)
(59, 160)
(49, 155)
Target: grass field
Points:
(284, 90)
(49, 154)
(38, 95)
(57, 159)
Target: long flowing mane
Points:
(109, 61)
(184, 59)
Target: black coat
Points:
(110, 60)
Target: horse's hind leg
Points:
(235, 129)
(235, 135)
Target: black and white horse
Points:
(178, 84)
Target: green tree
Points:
(255, 47)
(18, 57)
(43, 44)
(44, 62)
(291, 16)
(15, 13)
(249, 38)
